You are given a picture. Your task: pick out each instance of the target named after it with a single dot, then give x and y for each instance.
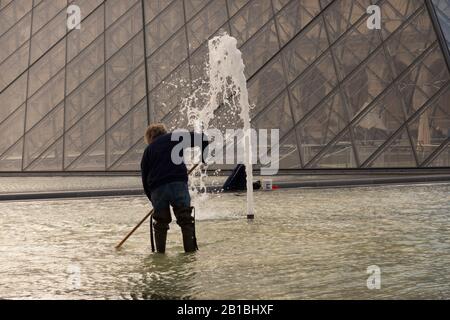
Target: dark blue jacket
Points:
(157, 167)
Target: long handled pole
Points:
(145, 218)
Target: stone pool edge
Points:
(321, 183)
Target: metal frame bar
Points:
(149, 114)
(26, 93)
(436, 153)
(187, 40)
(64, 111)
(105, 92)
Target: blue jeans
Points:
(175, 194)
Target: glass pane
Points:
(42, 136)
(339, 155)
(313, 86)
(45, 11)
(167, 58)
(423, 80)
(395, 12)
(305, 49)
(77, 40)
(84, 133)
(200, 58)
(250, 19)
(349, 52)
(126, 133)
(173, 120)
(410, 41)
(116, 8)
(13, 13)
(206, 23)
(266, 85)
(92, 160)
(295, 16)
(260, 48)
(442, 8)
(169, 94)
(198, 64)
(50, 160)
(47, 97)
(45, 38)
(312, 101)
(12, 128)
(432, 127)
(321, 126)
(194, 6)
(289, 157)
(15, 37)
(154, 7)
(13, 96)
(79, 69)
(235, 5)
(131, 161)
(367, 83)
(342, 14)
(4, 3)
(124, 62)
(164, 26)
(46, 67)
(442, 160)
(87, 6)
(124, 29)
(84, 98)
(378, 124)
(323, 3)
(12, 160)
(13, 66)
(398, 155)
(276, 116)
(125, 96)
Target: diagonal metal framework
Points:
(343, 96)
(439, 11)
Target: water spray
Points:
(227, 87)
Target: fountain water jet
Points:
(227, 88)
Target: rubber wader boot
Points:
(187, 223)
(161, 226)
(160, 240)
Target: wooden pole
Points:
(145, 218)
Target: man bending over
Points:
(166, 183)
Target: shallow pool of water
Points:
(303, 244)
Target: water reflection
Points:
(304, 244)
(165, 277)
